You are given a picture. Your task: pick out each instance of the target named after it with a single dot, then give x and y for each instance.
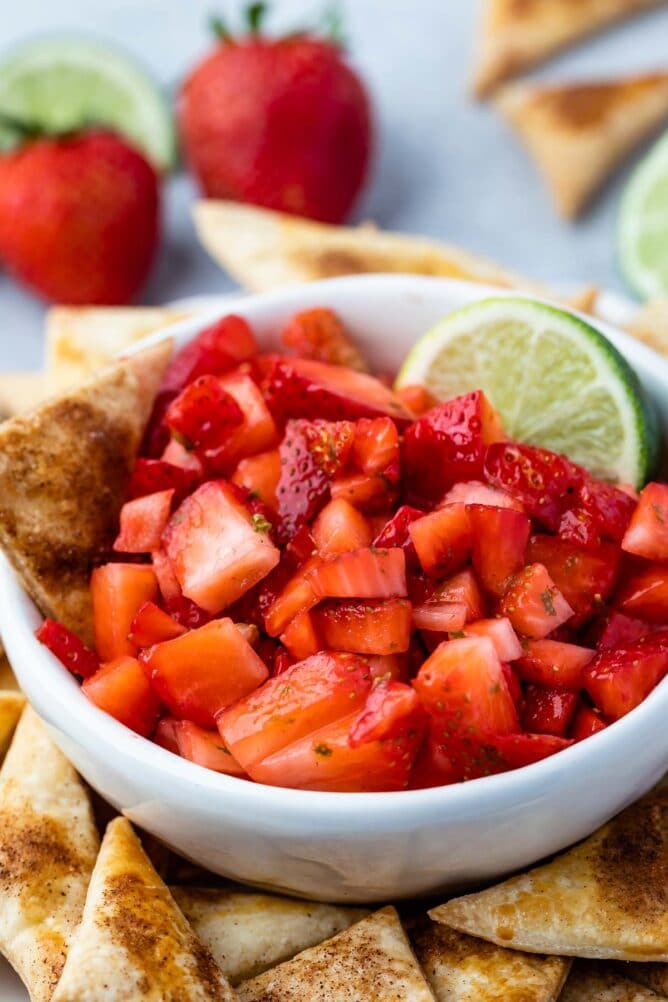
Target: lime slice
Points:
(62, 83)
(643, 225)
(555, 380)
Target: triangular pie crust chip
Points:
(607, 898)
(654, 976)
(460, 968)
(48, 845)
(579, 133)
(134, 944)
(518, 34)
(590, 982)
(64, 469)
(248, 933)
(11, 705)
(372, 960)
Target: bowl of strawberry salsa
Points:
(353, 641)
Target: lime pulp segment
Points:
(643, 225)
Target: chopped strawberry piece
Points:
(177, 454)
(157, 434)
(187, 613)
(121, 689)
(301, 637)
(609, 507)
(340, 528)
(151, 476)
(170, 589)
(204, 414)
(500, 632)
(619, 680)
(67, 647)
(474, 492)
(165, 734)
(585, 723)
(553, 664)
(282, 662)
(217, 549)
(514, 685)
(301, 388)
(442, 540)
(417, 399)
(143, 522)
(305, 697)
(448, 444)
(545, 482)
(534, 604)
(647, 534)
(499, 541)
(621, 631)
(152, 625)
(205, 748)
(215, 350)
(369, 493)
(366, 573)
(644, 593)
(319, 334)
(578, 525)
(118, 591)
(376, 448)
(204, 671)
(365, 627)
(585, 575)
(384, 666)
(463, 589)
(256, 433)
(312, 453)
(514, 751)
(296, 596)
(548, 711)
(440, 617)
(459, 758)
(259, 475)
(395, 532)
(389, 705)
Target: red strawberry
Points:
(320, 334)
(204, 414)
(282, 123)
(216, 350)
(79, 217)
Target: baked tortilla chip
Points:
(650, 325)
(48, 845)
(518, 34)
(20, 391)
(579, 133)
(133, 944)
(64, 470)
(11, 705)
(460, 968)
(607, 898)
(82, 339)
(7, 677)
(372, 960)
(590, 982)
(654, 976)
(249, 933)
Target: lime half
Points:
(62, 83)
(643, 225)
(555, 380)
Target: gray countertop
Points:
(445, 166)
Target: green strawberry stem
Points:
(255, 14)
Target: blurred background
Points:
(444, 165)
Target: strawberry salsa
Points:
(323, 584)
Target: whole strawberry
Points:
(79, 217)
(283, 123)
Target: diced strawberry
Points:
(67, 647)
(118, 591)
(545, 482)
(178, 455)
(170, 589)
(319, 334)
(621, 631)
(204, 671)
(514, 751)
(165, 734)
(368, 492)
(500, 632)
(151, 476)
(257, 432)
(385, 666)
(609, 507)
(395, 532)
(365, 573)
(577, 525)
(417, 399)
(282, 662)
(463, 688)
(121, 689)
(514, 686)
(340, 528)
(442, 540)
(305, 697)
(204, 415)
(553, 664)
(152, 625)
(647, 533)
(475, 492)
(548, 711)
(585, 723)
(215, 350)
(463, 589)
(585, 575)
(143, 522)
(448, 444)
(365, 627)
(215, 548)
(301, 637)
(187, 613)
(205, 748)
(389, 705)
(157, 434)
(459, 758)
(259, 475)
(644, 593)
(376, 448)
(619, 680)
(534, 604)
(302, 388)
(499, 541)
(440, 617)
(297, 595)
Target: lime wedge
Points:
(643, 225)
(62, 83)
(555, 380)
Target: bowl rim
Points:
(66, 702)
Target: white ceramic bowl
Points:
(351, 847)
